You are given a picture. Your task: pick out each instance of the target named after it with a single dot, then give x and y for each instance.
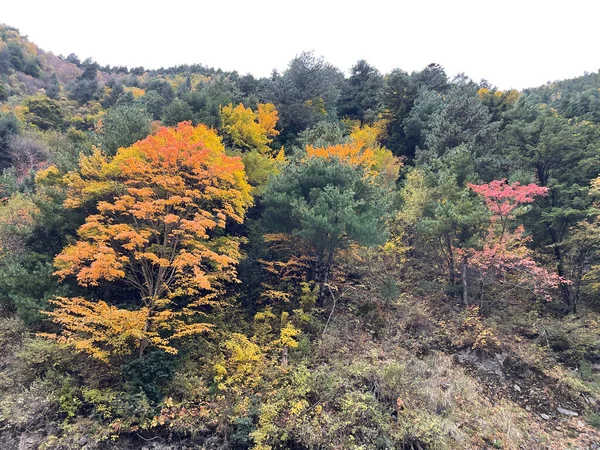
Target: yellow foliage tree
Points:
(135, 91)
(241, 365)
(266, 324)
(498, 101)
(17, 220)
(249, 133)
(250, 130)
(101, 330)
(415, 195)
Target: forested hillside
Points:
(193, 258)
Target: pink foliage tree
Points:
(504, 257)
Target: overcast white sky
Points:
(511, 43)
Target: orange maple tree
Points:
(158, 233)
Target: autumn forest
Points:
(197, 259)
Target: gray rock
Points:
(484, 363)
(30, 441)
(501, 357)
(517, 388)
(567, 412)
(545, 416)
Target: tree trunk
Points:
(565, 289)
(323, 278)
(321, 293)
(319, 281)
(144, 342)
(464, 282)
(481, 293)
(451, 266)
(579, 263)
(284, 356)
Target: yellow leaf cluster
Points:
(106, 332)
(17, 219)
(135, 91)
(101, 330)
(94, 179)
(250, 130)
(498, 99)
(241, 366)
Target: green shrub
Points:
(150, 374)
(389, 289)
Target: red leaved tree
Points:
(504, 257)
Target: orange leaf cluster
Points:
(353, 154)
(362, 150)
(158, 233)
(288, 263)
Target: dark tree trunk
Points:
(324, 274)
(560, 269)
(464, 282)
(451, 265)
